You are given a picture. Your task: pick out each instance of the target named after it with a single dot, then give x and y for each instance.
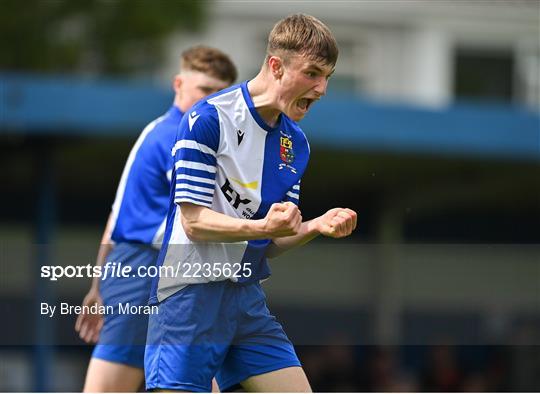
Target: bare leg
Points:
(106, 376)
(215, 387)
(292, 380)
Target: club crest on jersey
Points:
(286, 152)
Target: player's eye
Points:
(311, 74)
(207, 90)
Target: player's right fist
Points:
(282, 220)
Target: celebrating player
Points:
(136, 225)
(239, 157)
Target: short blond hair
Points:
(305, 35)
(210, 61)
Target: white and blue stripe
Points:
(293, 195)
(195, 159)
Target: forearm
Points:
(105, 248)
(308, 231)
(202, 224)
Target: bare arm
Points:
(283, 224)
(89, 325)
(336, 223)
(105, 248)
(203, 224)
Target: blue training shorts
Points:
(123, 336)
(219, 329)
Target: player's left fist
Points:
(337, 222)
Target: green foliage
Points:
(91, 36)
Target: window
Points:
(484, 75)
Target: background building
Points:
(413, 52)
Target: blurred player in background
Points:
(239, 158)
(135, 227)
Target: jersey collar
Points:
(260, 121)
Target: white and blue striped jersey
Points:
(140, 208)
(228, 159)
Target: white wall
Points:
(396, 50)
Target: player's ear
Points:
(275, 64)
(177, 82)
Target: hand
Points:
(88, 325)
(282, 220)
(337, 222)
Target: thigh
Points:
(291, 379)
(248, 360)
(260, 345)
(188, 339)
(182, 367)
(105, 376)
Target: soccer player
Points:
(239, 157)
(134, 231)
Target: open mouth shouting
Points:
(304, 104)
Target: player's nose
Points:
(320, 89)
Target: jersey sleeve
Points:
(293, 195)
(194, 154)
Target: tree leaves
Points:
(91, 36)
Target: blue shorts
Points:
(219, 329)
(123, 336)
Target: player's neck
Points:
(264, 98)
(180, 104)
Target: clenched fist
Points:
(282, 220)
(337, 222)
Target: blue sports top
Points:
(140, 208)
(228, 159)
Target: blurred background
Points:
(430, 131)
